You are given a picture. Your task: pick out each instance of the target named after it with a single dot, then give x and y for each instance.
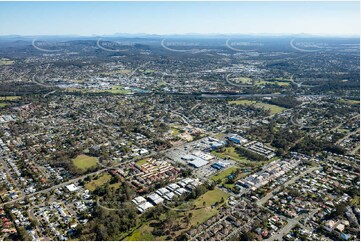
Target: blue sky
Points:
(88, 18)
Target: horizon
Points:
(210, 35)
(179, 18)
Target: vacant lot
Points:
(85, 162)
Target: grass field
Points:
(243, 162)
(114, 72)
(85, 162)
(114, 90)
(219, 136)
(224, 174)
(200, 214)
(355, 201)
(242, 102)
(278, 81)
(148, 71)
(175, 131)
(10, 98)
(143, 233)
(231, 153)
(242, 80)
(92, 185)
(349, 101)
(210, 198)
(119, 90)
(204, 213)
(248, 81)
(273, 108)
(142, 161)
(2, 105)
(5, 61)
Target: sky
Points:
(106, 18)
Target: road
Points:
(278, 236)
(290, 222)
(74, 180)
(348, 135)
(292, 180)
(237, 85)
(7, 170)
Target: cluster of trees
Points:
(115, 216)
(311, 146)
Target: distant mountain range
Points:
(157, 36)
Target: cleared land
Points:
(94, 184)
(85, 162)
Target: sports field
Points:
(85, 162)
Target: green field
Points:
(210, 198)
(349, 101)
(147, 71)
(10, 98)
(242, 102)
(242, 80)
(249, 81)
(114, 90)
(119, 90)
(243, 162)
(175, 131)
(85, 162)
(200, 214)
(219, 136)
(278, 81)
(2, 105)
(114, 72)
(274, 109)
(142, 161)
(231, 153)
(224, 174)
(355, 201)
(93, 184)
(124, 71)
